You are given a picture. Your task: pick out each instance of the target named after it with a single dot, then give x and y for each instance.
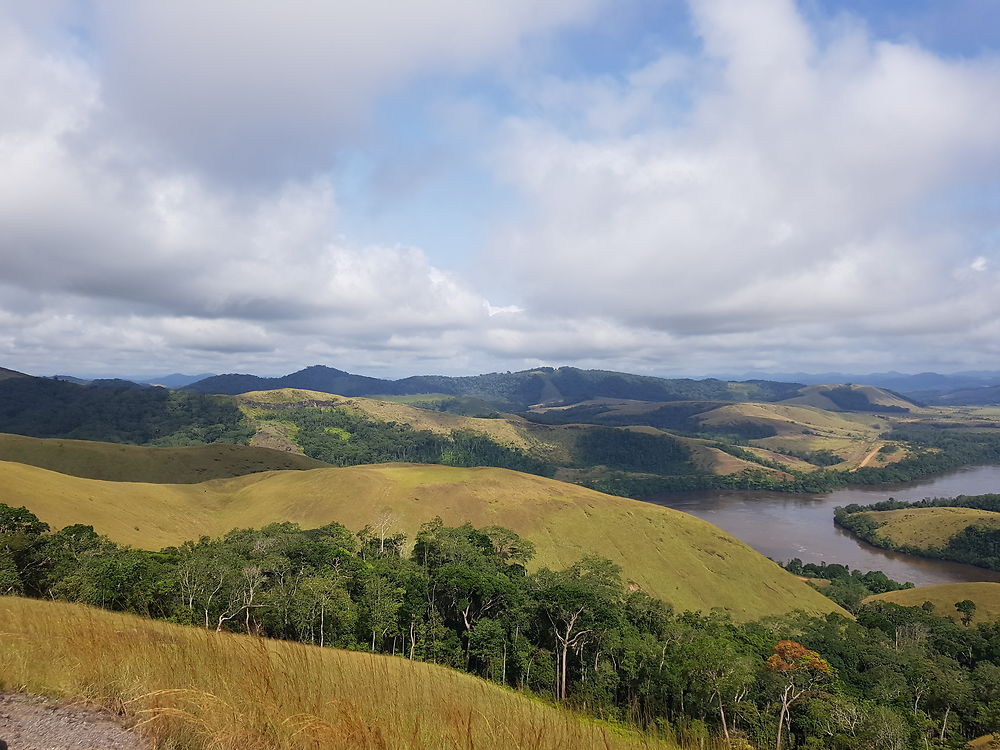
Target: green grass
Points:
(986, 595)
(671, 555)
(414, 398)
(929, 527)
(132, 463)
(199, 690)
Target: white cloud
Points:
(252, 88)
(770, 201)
(105, 253)
(808, 186)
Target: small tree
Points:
(800, 670)
(967, 608)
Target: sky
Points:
(439, 186)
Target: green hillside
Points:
(513, 391)
(928, 527)
(671, 555)
(985, 595)
(860, 398)
(131, 463)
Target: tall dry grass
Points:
(189, 688)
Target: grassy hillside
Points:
(6, 374)
(986, 595)
(191, 688)
(671, 555)
(133, 463)
(861, 398)
(512, 431)
(929, 527)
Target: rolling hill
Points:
(986, 595)
(132, 463)
(674, 556)
(860, 398)
(186, 687)
(6, 374)
(513, 391)
(928, 527)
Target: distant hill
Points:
(6, 374)
(671, 555)
(513, 391)
(917, 386)
(118, 412)
(174, 380)
(858, 398)
(986, 596)
(987, 395)
(132, 463)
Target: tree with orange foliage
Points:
(801, 670)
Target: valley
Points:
(393, 522)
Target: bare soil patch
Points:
(29, 722)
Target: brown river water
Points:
(783, 526)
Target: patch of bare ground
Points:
(29, 722)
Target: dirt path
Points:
(871, 454)
(31, 723)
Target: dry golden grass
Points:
(672, 555)
(195, 689)
(133, 463)
(986, 742)
(985, 594)
(929, 527)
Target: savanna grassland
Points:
(928, 527)
(672, 555)
(120, 462)
(985, 595)
(197, 689)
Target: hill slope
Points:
(986, 595)
(515, 391)
(864, 398)
(6, 374)
(929, 527)
(671, 555)
(195, 689)
(131, 463)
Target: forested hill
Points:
(511, 390)
(117, 411)
(6, 374)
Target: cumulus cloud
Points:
(809, 183)
(778, 197)
(251, 89)
(107, 253)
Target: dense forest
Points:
(849, 588)
(511, 390)
(116, 412)
(896, 678)
(974, 545)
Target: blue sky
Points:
(657, 186)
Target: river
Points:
(782, 525)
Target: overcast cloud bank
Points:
(774, 195)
